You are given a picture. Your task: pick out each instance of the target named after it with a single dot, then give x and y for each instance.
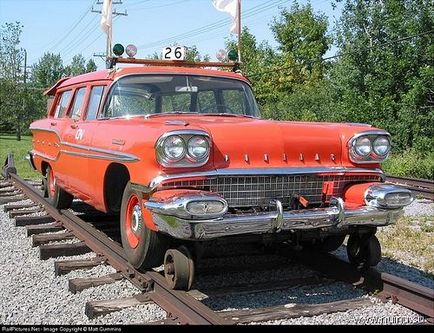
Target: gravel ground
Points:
(420, 207)
(31, 294)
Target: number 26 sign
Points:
(173, 53)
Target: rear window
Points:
(94, 102)
(62, 104)
(78, 103)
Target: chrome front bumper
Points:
(336, 216)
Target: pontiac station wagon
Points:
(183, 156)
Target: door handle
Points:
(53, 123)
(74, 126)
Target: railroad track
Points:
(420, 187)
(186, 307)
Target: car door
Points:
(76, 142)
(47, 136)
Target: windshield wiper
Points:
(227, 115)
(151, 115)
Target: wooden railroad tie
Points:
(62, 250)
(79, 284)
(65, 266)
(21, 221)
(43, 228)
(94, 309)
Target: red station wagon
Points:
(183, 156)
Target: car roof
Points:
(112, 75)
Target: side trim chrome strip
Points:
(94, 156)
(114, 155)
(45, 130)
(46, 157)
(340, 171)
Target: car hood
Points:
(240, 142)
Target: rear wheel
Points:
(58, 197)
(144, 248)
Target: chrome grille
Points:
(251, 191)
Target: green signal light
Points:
(233, 55)
(118, 50)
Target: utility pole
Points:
(20, 116)
(114, 13)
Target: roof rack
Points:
(112, 61)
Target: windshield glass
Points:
(159, 94)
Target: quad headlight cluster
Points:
(183, 148)
(369, 147)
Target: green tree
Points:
(91, 66)
(48, 70)
(12, 88)
(77, 66)
(288, 81)
(384, 74)
(193, 54)
(302, 33)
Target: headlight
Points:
(183, 148)
(174, 148)
(198, 147)
(369, 147)
(381, 145)
(362, 146)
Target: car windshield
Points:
(138, 95)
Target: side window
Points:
(94, 102)
(62, 104)
(78, 103)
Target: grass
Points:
(411, 239)
(9, 144)
(410, 164)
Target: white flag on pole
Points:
(230, 7)
(106, 17)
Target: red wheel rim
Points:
(51, 183)
(133, 221)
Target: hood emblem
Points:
(301, 157)
(246, 158)
(266, 158)
(317, 157)
(285, 157)
(226, 158)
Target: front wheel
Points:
(56, 196)
(144, 248)
(364, 251)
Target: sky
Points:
(69, 27)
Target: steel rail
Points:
(423, 187)
(178, 304)
(382, 285)
(409, 294)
